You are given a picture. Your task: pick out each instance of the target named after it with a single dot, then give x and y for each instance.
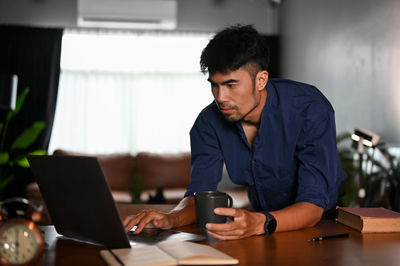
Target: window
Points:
(129, 92)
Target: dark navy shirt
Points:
(293, 157)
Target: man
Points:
(275, 136)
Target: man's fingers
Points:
(227, 211)
(238, 228)
(225, 237)
(237, 232)
(132, 220)
(244, 224)
(127, 220)
(221, 227)
(145, 219)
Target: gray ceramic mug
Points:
(206, 202)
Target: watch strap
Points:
(270, 223)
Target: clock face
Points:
(18, 244)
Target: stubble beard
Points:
(237, 116)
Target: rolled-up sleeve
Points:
(206, 157)
(317, 155)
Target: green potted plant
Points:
(16, 155)
(136, 188)
(346, 157)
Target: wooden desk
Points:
(287, 248)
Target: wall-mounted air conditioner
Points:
(132, 14)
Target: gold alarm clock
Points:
(21, 241)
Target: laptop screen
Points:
(79, 199)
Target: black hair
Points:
(234, 47)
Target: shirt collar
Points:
(271, 96)
(271, 101)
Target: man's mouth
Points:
(226, 110)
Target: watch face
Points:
(271, 225)
(18, 244)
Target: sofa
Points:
(160, 178)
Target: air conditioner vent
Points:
(134, 14)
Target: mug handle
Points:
(230, 201)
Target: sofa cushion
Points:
(163, 170)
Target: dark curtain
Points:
(34, 55)
(274, 55)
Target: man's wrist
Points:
(270, 223)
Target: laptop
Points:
(81, 205)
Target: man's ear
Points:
(261, 80)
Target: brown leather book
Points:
(369, 220)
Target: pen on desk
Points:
(328, 237)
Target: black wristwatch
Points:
(270, 223)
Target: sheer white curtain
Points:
(129, 92)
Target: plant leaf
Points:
(38, 152)
(22, 161)
(1, 127)
(28, 136)
(18, 106)
(4, 182)
(343, 136)
(4, 157)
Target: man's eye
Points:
(231, 85)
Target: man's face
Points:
(235, 94)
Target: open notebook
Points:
(168, 253)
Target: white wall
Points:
(351, 51)
(212, 15)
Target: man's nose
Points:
(221, 94)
